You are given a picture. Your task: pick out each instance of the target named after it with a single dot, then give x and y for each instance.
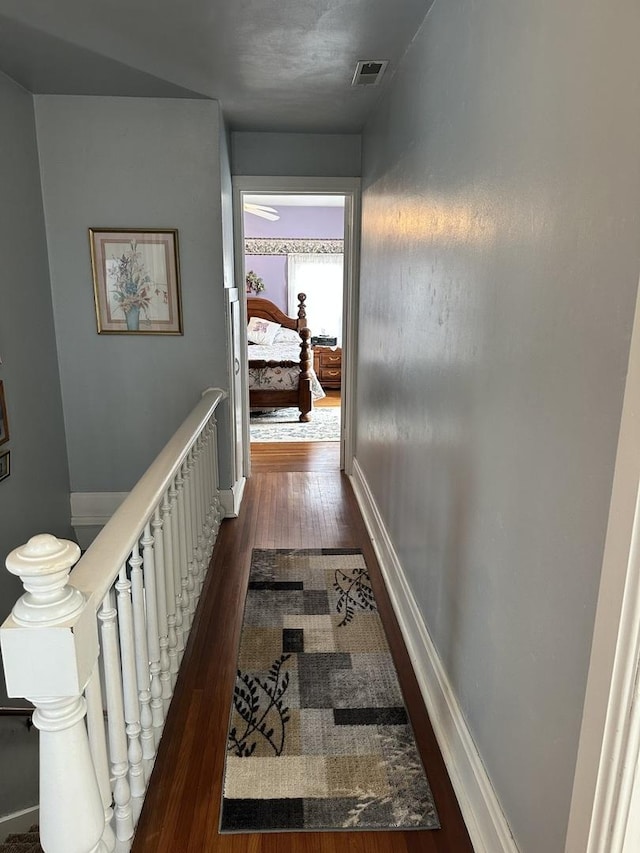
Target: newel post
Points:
(50, 648)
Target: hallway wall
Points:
(327, 155)
(35, 497)
(132, 163)
(501, 198)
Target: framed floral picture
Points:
(5, 469)
(136, 281)
(4, 423)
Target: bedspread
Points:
(279, 378)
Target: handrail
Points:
(97, 649)
(114, 542)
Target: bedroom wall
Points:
(35, 497)
(132, 162)
(500, 260)
(321, 223)
(333, 155)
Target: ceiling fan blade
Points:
(262, 210)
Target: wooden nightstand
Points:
(327, 363)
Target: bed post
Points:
(306, 362)
(302, 311)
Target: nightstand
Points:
(327, 363)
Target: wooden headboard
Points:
(266, 310)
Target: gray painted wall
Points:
(35, 497)
(323, 155)
(502, 200)
(132, 163)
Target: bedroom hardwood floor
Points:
(295, 456)
(285, 507)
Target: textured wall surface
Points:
(332, 155)
(35, 497)
(132, 163)
(500, 260)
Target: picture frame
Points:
(136, 281)
(5, 464)
(4, 421)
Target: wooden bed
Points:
(301, 397)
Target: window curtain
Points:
(320, 277)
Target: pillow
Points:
(261, 331)
(287, 336)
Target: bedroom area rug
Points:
(283, 425)
(319, 737)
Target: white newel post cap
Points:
(50, 640)
(43, 565)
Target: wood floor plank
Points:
(282, 508)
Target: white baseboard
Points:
(21, 821)
(231, 499)
(94, 508)
(478, 801)
(90, 511)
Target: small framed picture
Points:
(5, 468)
(136, 281)
(4, 423)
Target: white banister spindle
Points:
(194, 568)
(193, 491)
(217, 508)
(163, 622)
(167, 535)
(216, 479)
(215, 504)
(177, 576)
(130, 687)
(183, 557)
(206, 529)
(137, 587)
(193, 525)
(98, 746)
(143, 678)
(151, 599)
(199, 539)
(191, 566)
(208, 489)
(123, 812)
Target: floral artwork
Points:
(136, 281)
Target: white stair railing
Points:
(97, 649)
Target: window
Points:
(320, 276)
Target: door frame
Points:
(288, 185)
(603, 816)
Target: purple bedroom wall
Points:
(298, 222)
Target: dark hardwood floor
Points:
(294, 499)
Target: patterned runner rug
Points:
(319, 737)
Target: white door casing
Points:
(350, 188)
(604, 815)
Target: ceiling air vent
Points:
(369, 72)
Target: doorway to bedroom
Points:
(293, 245)
(296, 235)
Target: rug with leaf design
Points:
(319, 736)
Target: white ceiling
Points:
(279, 65)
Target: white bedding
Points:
(279, 378)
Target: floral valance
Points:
(294, 245)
